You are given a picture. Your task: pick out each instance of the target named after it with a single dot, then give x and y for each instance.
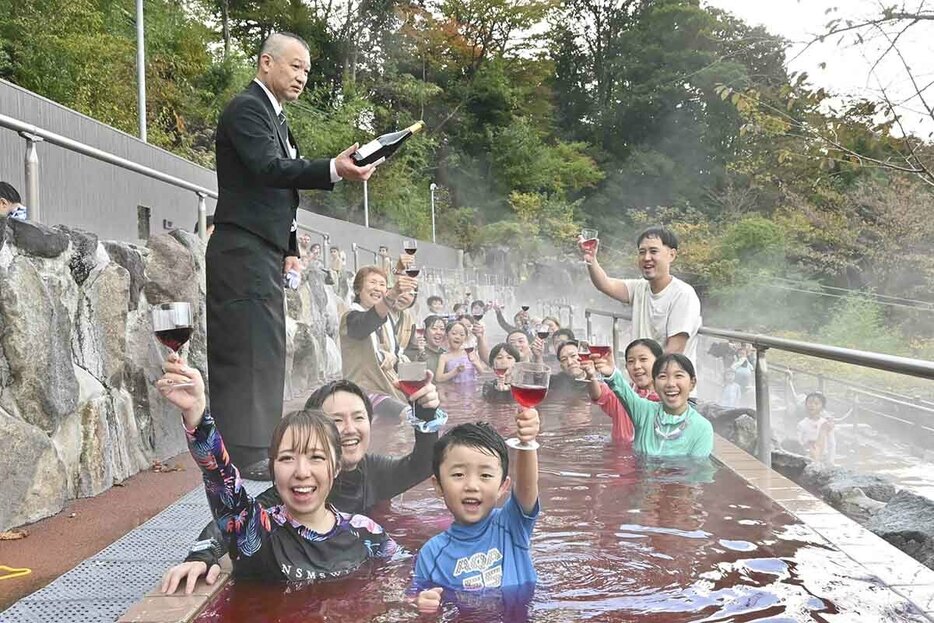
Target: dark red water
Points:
(619, 539)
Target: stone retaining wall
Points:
(78, 411)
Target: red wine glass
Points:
(410, 246)
(589, 241)
(525, 308)
(412, 271)
(413, 375)
(599, 352)
(529, 387)
(171, 323)
(542, 331)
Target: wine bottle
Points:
(385, 145)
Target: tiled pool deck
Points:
(105, 585)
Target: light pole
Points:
(366, 206)
(141, 70)
(432, 189)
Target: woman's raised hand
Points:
(605, 365)
(189, 399)
(404, 283)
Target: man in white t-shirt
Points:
(664, 308)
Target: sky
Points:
(847, 71)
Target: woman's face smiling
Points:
(373, 290)
(673, 385)
(435, 334)
(304, 476)
(639, 362)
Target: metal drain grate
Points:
(102, 587)
(71, 611)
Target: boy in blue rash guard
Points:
(485, 547)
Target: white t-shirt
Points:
(674, 310)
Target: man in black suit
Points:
(258, 173)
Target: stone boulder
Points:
(839, 486)
(38, 240)
(742, 432)
(132, 258)
(32, 486)
(36, 341)
(85, 253)
(856, 504)
(907, 522)
(99, 338)
(6, 232)
(789, 464)
(110, 445)
(171, 272)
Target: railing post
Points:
(31, 168)
(326, 252)
(356, 261)
(763, 415)
(615, 336)
(588, 320)
(202, 218)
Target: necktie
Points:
(281, 117)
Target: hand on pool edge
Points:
(429, 601)
(190, 572)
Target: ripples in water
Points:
(620, 538)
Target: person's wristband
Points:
(426, 419)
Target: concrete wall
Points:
(78, 191)
(82, 192)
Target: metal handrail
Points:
(356, 260)
(33, 135)
(325, 244)
(891, 363)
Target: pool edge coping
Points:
(895, 569)
(880, 559)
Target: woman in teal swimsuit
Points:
(671, 427)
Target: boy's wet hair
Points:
(317, 398)
(305, 425)
(668, 237)
(434, 298)
(479, 436)
(677, 358)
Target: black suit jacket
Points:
(257, 180)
